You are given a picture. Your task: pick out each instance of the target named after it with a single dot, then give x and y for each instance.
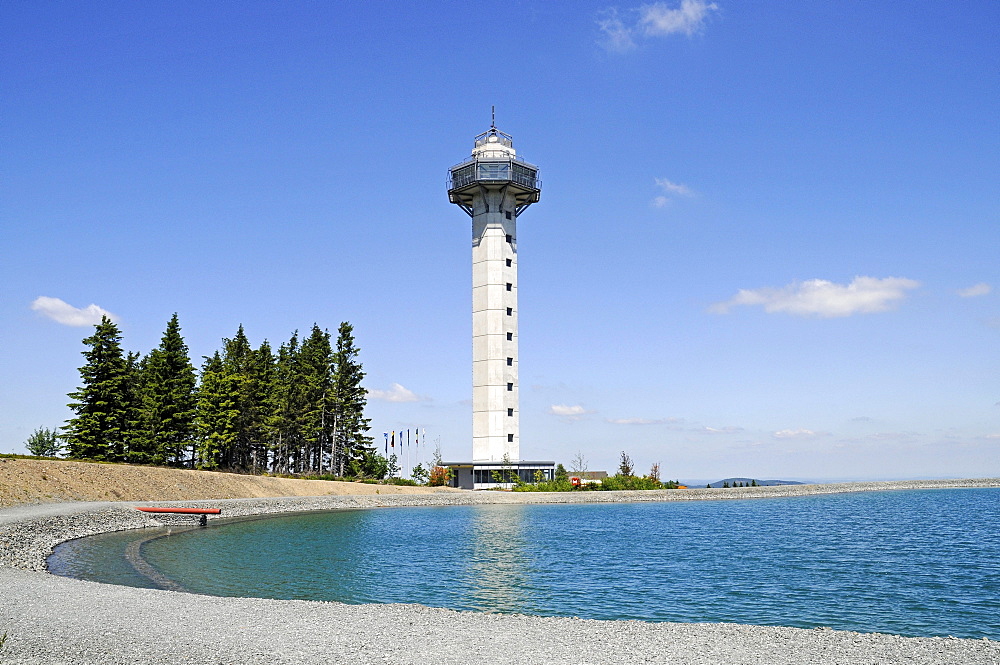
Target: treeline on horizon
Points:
(297, 410)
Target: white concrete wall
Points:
(490, 324)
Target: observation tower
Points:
(494, 187)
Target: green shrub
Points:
(556, 485)
(44, 442)
(619, 482)
(401, 481)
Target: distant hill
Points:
(747, 481)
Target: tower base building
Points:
(494, 187)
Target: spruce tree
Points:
(132, 396)
(167, 401)
(241, 364)
(349, 401)
(281, 427)
(265, 371)
(101, 425)
(314, 382)
(216, 414)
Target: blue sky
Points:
(767, 241)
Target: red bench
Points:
(202, 512)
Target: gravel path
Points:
(51, 619)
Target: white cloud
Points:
(671, 188)
(617, 37)
(992, 436)
(722, 430)
(395, 393)
(819, 297)
(567, 411)
(655, 20)
(642, 421)
(660, 19)
(893, 436)
(64, 313)
(980, 289)
(795, 434)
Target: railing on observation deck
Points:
(512, 170)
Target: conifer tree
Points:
(264, 379)
(314, 382)
(167, 401)
(349, 401)
(131, 397)
(216, 414)
(282, 433)
(101, 424)
(242, 365)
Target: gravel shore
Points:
(50, 619)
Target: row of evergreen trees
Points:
(299, 410)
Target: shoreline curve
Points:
(54, 619)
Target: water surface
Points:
(923, 562)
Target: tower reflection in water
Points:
(498, 570)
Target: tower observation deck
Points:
(494, 187)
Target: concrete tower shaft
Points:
(495, 416)
(494, 187)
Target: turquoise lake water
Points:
(907, 562)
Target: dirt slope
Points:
(37, 481)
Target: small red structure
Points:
(185, 511)
(202, 513)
